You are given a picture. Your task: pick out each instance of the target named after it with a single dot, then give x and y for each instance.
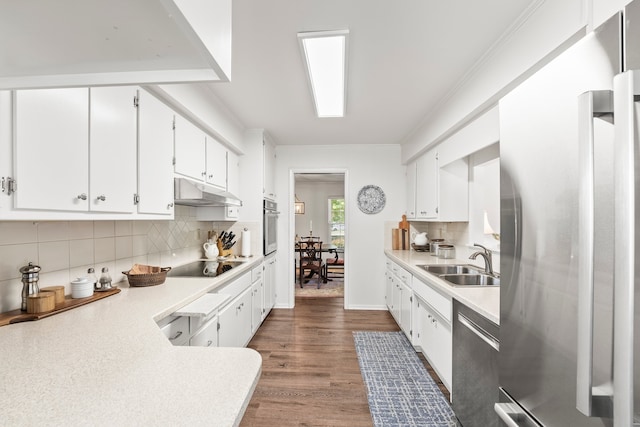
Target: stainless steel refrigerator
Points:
(570, 261)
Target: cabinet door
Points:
(216, 163)
(427, 185)
(389, 290)
(257, 304)
(207, 335)
(155, 156)
(410, 210)
(235, 321)
(269, 285)
(405, 309)
(51, 149)
(438, 345)
(189, 149)
(112, 149)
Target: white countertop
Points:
(108, 363)
(484, 300)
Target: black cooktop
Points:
(203, 268)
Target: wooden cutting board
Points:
(404, 224)
(395, 239)
(17, 316)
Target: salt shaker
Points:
(105, 279)
(30, 279)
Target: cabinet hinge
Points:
(436, 210)
(136, 101)
(173, 161)
(437, 156)
(411, 332)
(9, 185)
(411, 298)
(173, 125)
(136, 199)
(218, 327)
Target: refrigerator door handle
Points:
(591, 105)
(627, 92)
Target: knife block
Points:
(223, 252)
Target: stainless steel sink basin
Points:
(471, 279)
(450, 269)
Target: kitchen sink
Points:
(471, 279)
(450, 269)
(462, 274)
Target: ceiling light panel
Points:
(325, 57)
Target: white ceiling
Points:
(405, 57)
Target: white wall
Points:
(364, 255)
(315, 196)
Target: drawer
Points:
(177, 330)
(434, 298)
(235, 287)
(207, 336)
(256, 273)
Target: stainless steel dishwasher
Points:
(475, 367)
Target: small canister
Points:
(446, 251)
(434, 246)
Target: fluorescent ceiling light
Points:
(325, 54)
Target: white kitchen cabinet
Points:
(269, 279)
(441, 191)
(427, 186)
(406, 298)
(399, 296)
(257, 303)
(269, 182)
(75, 149)
(112, 149)
(410, 210)
(155, 156)
(432, 334)
(207, 335)
(51, 149)
(190, 159)
(235, 321)
(176, 329)
(216, 164)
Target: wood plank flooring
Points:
(310, 372)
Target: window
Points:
(336, 221)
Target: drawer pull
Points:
(176, 337)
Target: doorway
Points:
(319, 212)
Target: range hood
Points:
(191, 193)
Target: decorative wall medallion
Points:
(371, 199)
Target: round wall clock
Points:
(371, 199)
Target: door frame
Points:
(290, 246)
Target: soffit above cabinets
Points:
(46, 43)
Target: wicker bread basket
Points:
(146, 275)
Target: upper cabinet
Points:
(81, 155)
(199, 156)
(119, 42)
(439, 193)
(155, 156)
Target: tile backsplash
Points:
(66, 249)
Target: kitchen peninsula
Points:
(108, 363)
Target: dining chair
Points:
(311, 260)
(335, 263)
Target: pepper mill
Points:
(29, 282)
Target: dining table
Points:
(326, 247)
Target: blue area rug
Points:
(399, 388)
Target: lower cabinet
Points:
(269, 280)
(432, 329)
(207, 335)
(399, 296)
(234, 321)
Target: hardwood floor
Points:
(310, 372)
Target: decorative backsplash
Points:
(66, 249)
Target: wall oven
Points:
(270, 218)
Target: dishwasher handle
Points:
(479, 331)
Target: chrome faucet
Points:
(486, 254)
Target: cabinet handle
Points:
(203, 174)
(170, 205)
(82, 196)
(177, 335)
(209, 343)
(211, 176)
(101, 197)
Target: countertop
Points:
(108, 363)
(484, 300)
